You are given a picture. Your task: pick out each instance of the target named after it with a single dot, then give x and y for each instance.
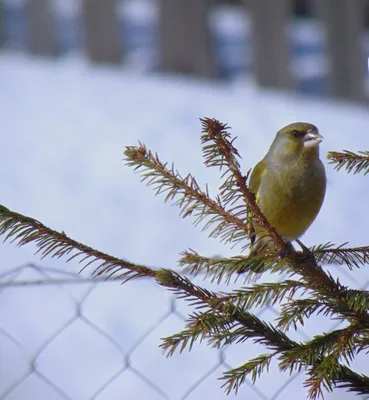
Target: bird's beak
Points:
(312, 139)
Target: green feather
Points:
(289, 184)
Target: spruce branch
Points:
(199, 326)
(345, 377)
(221, 269)
(22, 230)
(221, 153)
(187, 195)
(218, 146)
(320, 376)
(349, 256)
(339, 343)
(345, 307)
(185, 289)
(224, 269)
(353, 162)
(329, 372)
(358, 300)
(325, 287)
(55, 244)
(321, 358)
(262, 295)
(255, 367)
(296, 311)
(215, 268)
(262, 332)
(248, 327)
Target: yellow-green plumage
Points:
(289, 183)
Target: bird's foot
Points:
(306, 255)
(289, 249)
(305, 250)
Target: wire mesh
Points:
(64, 336)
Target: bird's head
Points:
(297, 139)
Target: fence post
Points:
(344, 24)
(185, 41)
(271, 45)
(2, 33)
(102, 31)
(42, 30)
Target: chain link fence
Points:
(65, 336)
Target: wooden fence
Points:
(186, 46)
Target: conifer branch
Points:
(199, 326)
(186, 194)
(215, 268)
(296, 311)
(255, 367)
(55, 244)
(221, 153)
(348, 379)
(336, 344)
(358, 300)
(344, 306)
(320, 376)
(224, 269)
(329, 373)
(218, 146)
(349, 256)
(353, 162)
(326, 287)
(184, 288)
(23, 230)
(249, 327)
(262, 295)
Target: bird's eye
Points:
(297, 134)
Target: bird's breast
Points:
(291, 198)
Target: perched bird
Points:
(289, 185)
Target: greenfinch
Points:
(289, 185)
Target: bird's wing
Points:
(254, 184)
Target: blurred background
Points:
(82, 79)
(312, 46)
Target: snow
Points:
(64, 127)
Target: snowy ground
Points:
(64, 125)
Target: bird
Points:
(289, 186)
